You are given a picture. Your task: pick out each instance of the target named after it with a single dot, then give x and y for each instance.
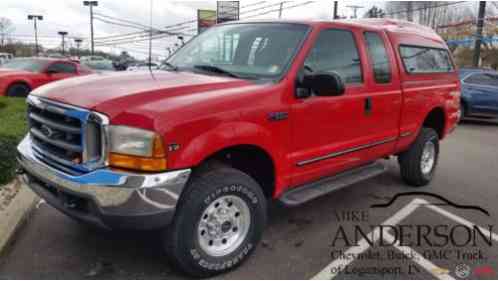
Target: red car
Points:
(285, 111)
(19, 77)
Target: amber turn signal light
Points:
(156, 163)
(137, 163)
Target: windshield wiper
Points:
(215, 69)
(171, 66)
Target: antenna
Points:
(150, 37)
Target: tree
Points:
(6, 28)
(374, 12)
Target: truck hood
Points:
(113, 93)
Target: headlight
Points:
(136, 149)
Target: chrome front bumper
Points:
(111, 199)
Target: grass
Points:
(13, 128)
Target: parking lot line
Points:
(460, 220)
(336, 266)
(362, 246)
(416, 257)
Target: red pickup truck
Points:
(245, 113)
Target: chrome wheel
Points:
(428, 157)
(223, 225)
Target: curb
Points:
(16, 213)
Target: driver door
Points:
(328, 132)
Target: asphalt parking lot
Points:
(299, 242)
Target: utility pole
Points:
(78, 42)
(480, 24)
(355, 9)
(63, 34)
(150, 34)
(91, 4)
(336, 4)
(36, 18)
(409, 11)
(280, 10)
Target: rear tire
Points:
(419, 162)
(18, 90)
(218, 222)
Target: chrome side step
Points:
(310, 191)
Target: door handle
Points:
(368, 106)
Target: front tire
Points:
(218, 222)
(18, 90)
(419, 162)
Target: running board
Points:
(310, 191)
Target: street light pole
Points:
(63, 34)
(91, 4)
(336, 4)
(78, 42)
(36, 18)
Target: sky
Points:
(73, 17)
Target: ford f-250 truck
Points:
(245, 113)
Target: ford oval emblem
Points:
(47, 131)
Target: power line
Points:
(119, 35)
(424, 8)
(261, 8)
(286, 8)
(117, 23)
(125, 21)
(253, 4)
(142, 37)
(241, 13)
(136, 37)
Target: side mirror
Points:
(324, 84)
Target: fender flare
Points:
(229, 135)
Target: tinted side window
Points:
(485, 79)
(61, 67)
(378, 57)
(425, 60)
(335, 51)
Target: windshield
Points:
(25, 64)
(99, 65)
(262, 50)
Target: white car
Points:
(143, 66)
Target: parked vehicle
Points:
(19, 77)
(286, 111)
(143, 66)
(5, 57)
(101, 66)
(479, 93)
(92, 58)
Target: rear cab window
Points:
(419, 59)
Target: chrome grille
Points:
(67, 138)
